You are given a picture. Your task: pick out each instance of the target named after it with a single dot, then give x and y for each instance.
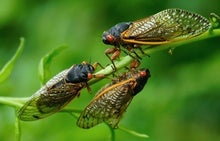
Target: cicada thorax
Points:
(57, 92)
(112, 100)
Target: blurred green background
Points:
(180, 102)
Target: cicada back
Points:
(164, 27)
(57, 92)
(112, 100)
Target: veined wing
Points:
(166, 26)
(50, 98)
(107, 106)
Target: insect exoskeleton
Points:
(167, 26)
(58, 92)
(112, 100)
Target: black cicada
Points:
(57, 92)
(112, 100)
(164, 27)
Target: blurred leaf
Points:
(6, 70)
(44, 65)
(7, 10)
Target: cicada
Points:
(57, 92)
(164, 27)
(111, 101)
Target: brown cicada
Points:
(112, 100)
(164, 27)
(57, 92)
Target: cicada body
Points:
(164, 27)
(57, 92)
(112, 100)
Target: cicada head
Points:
(80, 73)
(141, 80)
(112, 36)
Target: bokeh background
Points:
(180, 102)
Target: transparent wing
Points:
(107, 106)
(165, 26)
(46, 102)
(50, 98)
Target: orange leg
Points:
(115, 54)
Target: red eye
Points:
(110, 38)
(90, 76)
(143, 73)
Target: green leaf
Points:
(6, 70)
(44, 65)
(141, 135)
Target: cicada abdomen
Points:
(164, 27)
(111, 101)
(57, 92)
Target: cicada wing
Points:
(107, 106)
(46, 102)
(124, 102)
(166, 26)
(29, 109)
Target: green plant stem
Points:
(112, 131)
(17, 102)
(68, 110)
(133, 132)
(206, 35)
(17, 127)
(13, 101)
(125, 61)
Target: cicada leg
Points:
(88, 88)
(129, 50)
(95, 65)
(134, 64)
(115, 54)
(140, 49)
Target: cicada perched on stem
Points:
(164, 27)
(112, 100)
(57, 92)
